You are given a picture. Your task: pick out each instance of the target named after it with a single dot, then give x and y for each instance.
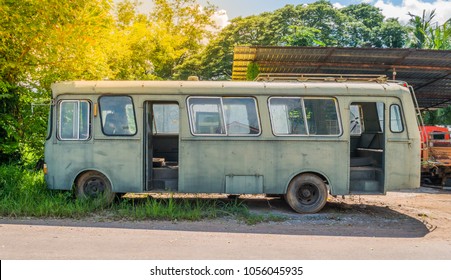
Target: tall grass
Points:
(23, 193)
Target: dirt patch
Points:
(404, 214)
(412, 213)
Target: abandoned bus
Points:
(303, 139)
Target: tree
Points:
(427, 34)
(42, 42)
(179, 30)
(440, 37)
(252, 71)
(420, 27)
(391, 34)
(370, 16)
(321, 15)
(215, 61)
(364, 20)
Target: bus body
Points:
(298, 139)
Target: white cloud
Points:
(337, 5)
(221, 19)
(416, 7)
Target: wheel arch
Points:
(83, 171)
(320, 174)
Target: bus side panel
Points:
(207, 164)
(122, 162)
(66, 160)
(404, 151)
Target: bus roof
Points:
(227, 87)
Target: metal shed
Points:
(428, 71)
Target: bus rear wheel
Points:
(307, 193)
(94, 185)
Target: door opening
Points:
(367, 147)
(161, 146)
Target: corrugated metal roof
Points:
(428, 71)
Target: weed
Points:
(23, 193)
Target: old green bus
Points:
(303, 139)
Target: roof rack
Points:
(297, 77)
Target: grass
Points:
(23, 193)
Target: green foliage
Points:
(427, 35)
(9, 138)
(441, 116)
(252, 71)
(391, 34)
(23, 193)
(303, 36)
(42, 42)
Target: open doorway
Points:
(161, 145)
(367, 147)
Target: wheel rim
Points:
(94, 187)
(307, 194)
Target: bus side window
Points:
(356, 119)
(165, 119)
(304, 116)
(229, 116)
(322, 116)
(396, 124)
(287, 116)
(74, 120)
(118, 115)
(241, 116)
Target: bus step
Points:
(165, 173)
(366, 173)
(364, 186)
(164, 185)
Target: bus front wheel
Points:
(307, 193)
(93, 185)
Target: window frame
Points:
(222, 116)
(304, 114)
(88, 118)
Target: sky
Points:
(228, 9)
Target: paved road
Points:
(63, 239)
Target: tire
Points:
(307, 193)
(94, 185)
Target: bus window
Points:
(165, 118)
(288, 116)
(322, 117)
(118, 116)
(356, 120)
(224, 116)
(395, 119)
(241, 116)
(74, 120)
(206, 116)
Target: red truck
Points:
(435, 155)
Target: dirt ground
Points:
(407, 214)
(410, 213)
